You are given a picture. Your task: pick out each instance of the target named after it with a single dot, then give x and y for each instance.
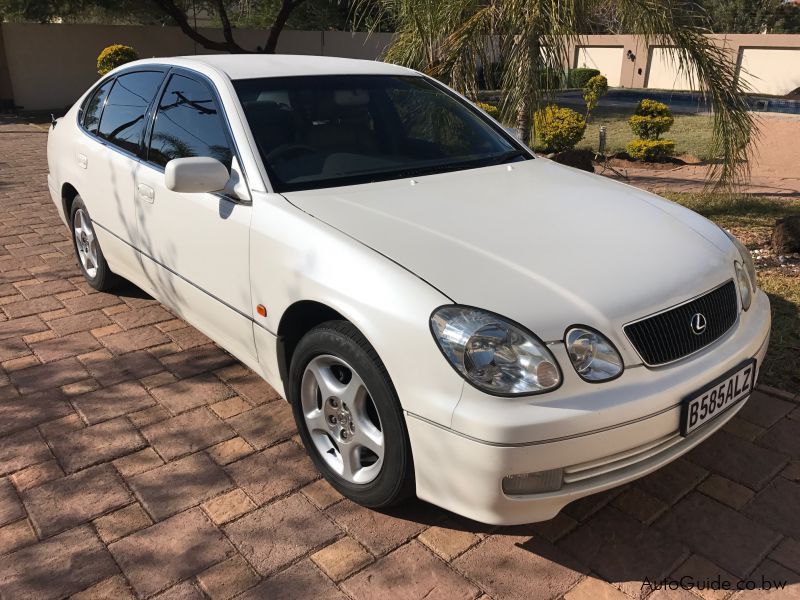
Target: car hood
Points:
(540, 243)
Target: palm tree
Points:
(533, 38)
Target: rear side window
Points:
(94, 107)
(188, 123)
(122, 121)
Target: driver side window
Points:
(188, 123)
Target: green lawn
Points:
(751, 220)
(692, 133)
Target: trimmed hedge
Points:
(559, 129)
(578, 78)
(651, 119)
(113, 56)
(650, 150)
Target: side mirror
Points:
(196, 175)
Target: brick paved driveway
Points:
(138, 459)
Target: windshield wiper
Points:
(506, 157)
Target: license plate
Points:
(706, 405)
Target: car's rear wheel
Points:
(90, 257)
(349, 416)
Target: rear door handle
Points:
(146, 193)
(83, 162)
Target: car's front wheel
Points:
(349, 416)
(90, 257)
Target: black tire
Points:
(104, 280)
(395, 481)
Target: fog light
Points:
(532, 483)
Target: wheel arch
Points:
(68, 195)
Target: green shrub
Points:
(595, 88)
(113, 56)
(578, 78)
(651, 119)
(489, 109)
(650, 150)
(559, 129)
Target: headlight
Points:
(743, 282)
(745, 272)
(594, 357)
(492, 353)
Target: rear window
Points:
(122, 120)
(94, 107)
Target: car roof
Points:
(251, 66)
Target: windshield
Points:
(325, 131)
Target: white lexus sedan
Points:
(449, 316)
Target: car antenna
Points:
(53, 120)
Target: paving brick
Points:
(504, 566)
(783, 437)
(228, 578)
(188, 337)
(50, 375)
(57, 567)
(138, 462)
(197, 360)
(228, 506)
(190, 393)
(21, 450)
(187, 433)
(640, 505)
(615, 545)
(148, 416)
(179, 485)
(115, 401)
(155, 558)
(72, 422)
(90, 302)
(15, 536)
(186, 590)
(13, 348)
(26, 308)
(379, 532)
(321, 493)
(273, 472)
(230, 451)
(148, 315)
(774, 581)
(134, 339)
(122, 522)
(776, 506)
(342, 558)
(253, 388)
(134, 365)
(449, 539)
(65, 346)
(738, 460)
(77, 323)
(727, 538)
(115, 588)
(726, 491)
(75, 499)
(265, 425)
(285, 524)
(765, 410)
(554, 529)
(787, 553)
(157, 380)
(35, 475)
(80, 387)
(584, 508)
(95, 444)
(48, 288)
(673, 481)
(10, 508)
(592, 588)
(25, 412)
(700, 569)
(230, 407)
(299, 581)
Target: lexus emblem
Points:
(698, 323)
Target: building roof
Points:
(250, 66)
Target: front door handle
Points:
(146, 193)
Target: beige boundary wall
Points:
(49, 66)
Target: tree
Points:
(751, 16)
(531, 38)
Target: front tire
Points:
(90, 257)
(349, 416)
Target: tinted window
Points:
(94, 107)
(188, 123)
(122, 122)
(325, 131)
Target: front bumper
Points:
(598, 448)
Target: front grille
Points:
(668, 336)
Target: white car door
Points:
(195, 246)
(108, 157)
